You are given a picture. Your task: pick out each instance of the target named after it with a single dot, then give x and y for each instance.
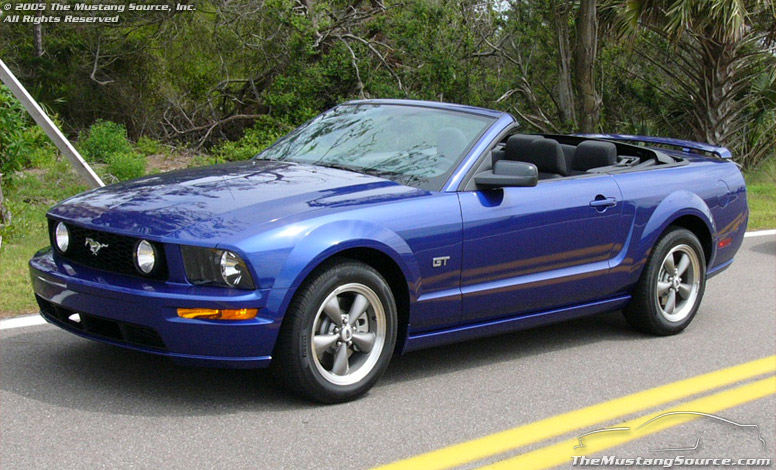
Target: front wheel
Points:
(339, 333)
(671, 287)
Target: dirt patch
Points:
(35, 171)
(169, 162)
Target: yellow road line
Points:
(563, 452)
(494, 444)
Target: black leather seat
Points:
(568, 152)
(593, 154)
(546, 154)
(496, 155)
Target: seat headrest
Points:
(519, 145)
(594, 154)
(547, 155)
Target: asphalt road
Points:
(67, 402)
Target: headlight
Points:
(62, 237)
(145, 257)
(219, 267)
(232, 269)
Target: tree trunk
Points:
(585, 55)
(565, 87)
(5, 216)
(716, 103)
(37, 33)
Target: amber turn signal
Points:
(218, 314)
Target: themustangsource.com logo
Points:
(668, 462)
(621, 434)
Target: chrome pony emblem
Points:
(94, 245)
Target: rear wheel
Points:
(339, 334)
(671, 287)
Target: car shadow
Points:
(766, 248)
(523, 344)
(56, 368)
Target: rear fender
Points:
(677, 204)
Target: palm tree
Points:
(716, 55)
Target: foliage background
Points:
(253, 69)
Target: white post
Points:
(49, 127)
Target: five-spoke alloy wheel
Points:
(678, 283)
(671, 287)
(348, 334)
(339, 333)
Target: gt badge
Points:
(440, 261)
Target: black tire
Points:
(309, 320)
(650, 310)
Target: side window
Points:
(485, 161)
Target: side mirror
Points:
(508, 173)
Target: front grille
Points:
(115, 330)
(117, 254)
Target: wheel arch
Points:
(393, 275)
(681, 209)
(373, 245)
(698, 227)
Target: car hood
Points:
(219, 202)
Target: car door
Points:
(529, 249)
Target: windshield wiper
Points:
(340, 166)
(337, 166)
(364, 171)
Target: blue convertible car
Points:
(384, 226)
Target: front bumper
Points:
(142, 314)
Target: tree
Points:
(585, 58)
(566, 97)
(563, 33)
(37, 33)
(716, 56)
(5, 215)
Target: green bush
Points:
(148, 146)
(23, 144)
(263, 133)
(202, 160)
(126, 165)
(105, 138)
(15, 143)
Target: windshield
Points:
(411, 145)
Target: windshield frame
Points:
(435, 183)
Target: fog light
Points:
(145, 257)
(218, 314)
(62, 237)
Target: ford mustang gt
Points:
(385, 226)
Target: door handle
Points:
(602, 202)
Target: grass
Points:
(35, 191)
(761, 192)
(28, 198)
